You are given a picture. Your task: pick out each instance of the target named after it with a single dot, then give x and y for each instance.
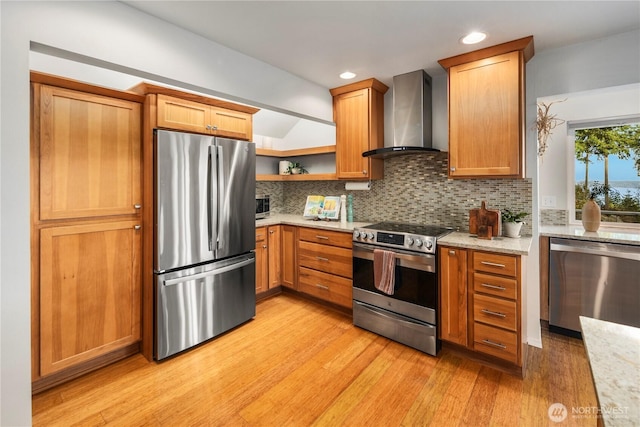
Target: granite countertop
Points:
(614, 356)
(506, 245)
(298, 220)
(604, 234)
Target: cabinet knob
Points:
(215, 127)
(208, 127)
(453, 169)
(271, 231)
(364, 171)
(137, 227)
(452, 252)
(137, 206)
(264, 246)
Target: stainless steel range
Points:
(395, 282)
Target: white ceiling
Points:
(317, 40)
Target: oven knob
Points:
(370, 236)
(356, 234)
(418, 243)
(409, 241)
(429, 244)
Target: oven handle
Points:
(422, 262)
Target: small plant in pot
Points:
(512, 222)
(296, 168)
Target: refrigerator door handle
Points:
(212, 191)
(222, 193)
(172, 282)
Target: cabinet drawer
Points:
(495, 285)
(495, 341)
(334, 238)
(328, 259)
(325, 286)
(495, 311)
(261, 234)
(505, 265)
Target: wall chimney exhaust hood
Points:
(411, 117)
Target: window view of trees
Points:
(608, 170)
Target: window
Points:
(607, 168)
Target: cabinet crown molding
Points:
(524, 44)
(364, 84)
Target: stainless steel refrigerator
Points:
(204, 238)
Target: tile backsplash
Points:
(415, 189)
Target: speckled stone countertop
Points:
(614, 356)
(299, 221)
(506, 245)
(604, 234)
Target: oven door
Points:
(416, 283)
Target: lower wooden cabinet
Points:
(481, 303)
(453, 294)
(262, 260)
(288, 256)
(89, 292)
(274, 236)
(325, 265)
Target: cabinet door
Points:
(453, 295)
(262, 260)
(288, 256)
(275, 265)
(89, 292)
(352, 119)
(180, 114)
(90, 155)
(485, 117)
(231, 124)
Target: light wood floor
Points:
(300, 364)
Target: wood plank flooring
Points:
(301, 364)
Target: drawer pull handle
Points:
(137, 227)
(493, 313)
(499, 288)
(136, 206)
(322, 237)
(318, 285)
(319, 258)
(452, 252)
(493, 264)
(494, 344)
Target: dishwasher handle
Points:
(599, 249)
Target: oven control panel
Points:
(415, 243)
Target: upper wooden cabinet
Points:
(358, 110)
(175, 113)
(89, 154)
(195, 113)
(487, 111)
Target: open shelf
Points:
(300, 177)
(298, 152)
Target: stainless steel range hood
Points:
(411, 116)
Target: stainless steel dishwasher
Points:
(593, 279)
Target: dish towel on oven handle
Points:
(384, 270)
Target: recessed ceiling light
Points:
(474, 37)
(347, 75)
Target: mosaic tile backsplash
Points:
(415, 189)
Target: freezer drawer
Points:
(197, 304)
(598, 280)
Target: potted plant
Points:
(512, 222)
(296, 168)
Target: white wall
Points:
(596, 64)
(134, 43)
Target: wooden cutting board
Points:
(485, 223)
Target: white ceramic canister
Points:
(283, 166)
